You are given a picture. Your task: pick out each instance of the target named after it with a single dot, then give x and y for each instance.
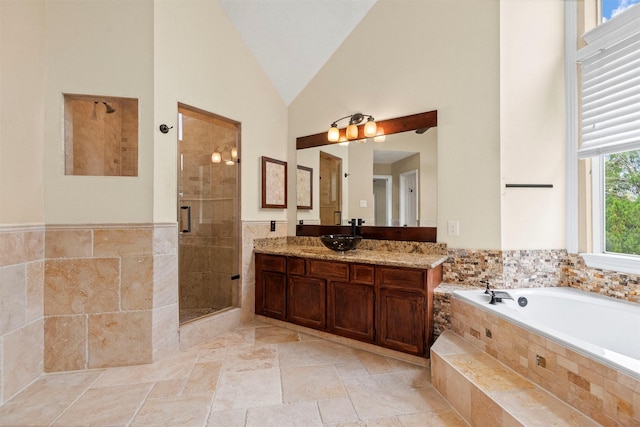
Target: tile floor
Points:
(256, 375)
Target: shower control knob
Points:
(164, 128)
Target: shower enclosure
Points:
(208, 213)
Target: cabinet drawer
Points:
(362, 274)
(401, 278)
(274, 263)
(296, 266)
(328, 269)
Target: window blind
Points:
(610, 99)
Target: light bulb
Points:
(216, 157)
(334, 133)
(234, 153)
(370, 128)
(352, 131)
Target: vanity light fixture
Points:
(370, 127)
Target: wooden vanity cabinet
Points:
(271, 286)
(306, 296)
(352, 304)
(387, 306)
(405, 307)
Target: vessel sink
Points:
(340, 242)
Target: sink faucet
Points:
(353, 223)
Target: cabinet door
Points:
(271, 294)
(307, 302)
(351, 308)
(402, 320)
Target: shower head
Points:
(109, 108)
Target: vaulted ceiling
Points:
(292, 39)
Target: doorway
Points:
(382, 199)
(330, 189)
(409, 198)
(208, 213)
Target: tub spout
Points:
(498, 296)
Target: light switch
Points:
(363, 203)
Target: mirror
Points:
(390, 183)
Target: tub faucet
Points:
(498, 296)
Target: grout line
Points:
(77, 398)
(137, 411)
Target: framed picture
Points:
(274, 183)
(304, 187)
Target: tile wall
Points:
(110, 295)
(21, 307)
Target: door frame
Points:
(403, 197)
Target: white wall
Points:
(98, 48)
(22, 45)
(161, 52)
(413, 56)
(532, 123)
(201, 60)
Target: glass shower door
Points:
(208, 213)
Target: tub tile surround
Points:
(610, 397)
(488, 393)
(110, 295)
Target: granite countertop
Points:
(378, 257)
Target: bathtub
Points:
(600, 328)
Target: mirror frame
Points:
(412, 122)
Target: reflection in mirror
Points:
(390, 183)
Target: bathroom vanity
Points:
(377, 296)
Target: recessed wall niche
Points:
(100, 135)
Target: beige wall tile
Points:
(22, 357)
(68, 243)
(35, 290)
(17, 247)
(74, 286)
(13, 298)
(65, 343)
(129, 241)
(165, 339)
(165, 239)
(165, 280)
(136, 288)
(118, 339)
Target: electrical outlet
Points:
(453, 227)
(273, 226)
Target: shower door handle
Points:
(185, 210)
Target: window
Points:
(610, 124)
(612, 8)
